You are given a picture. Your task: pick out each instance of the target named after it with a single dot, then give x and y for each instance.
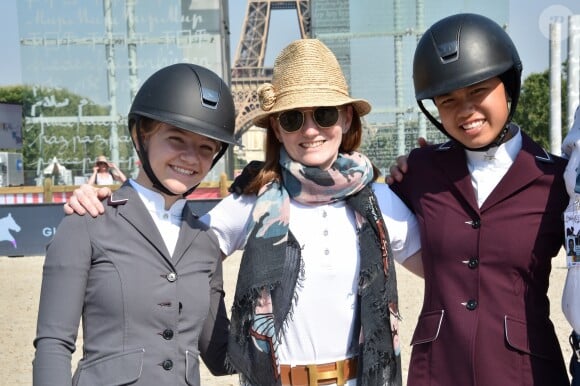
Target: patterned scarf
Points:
(272, 267)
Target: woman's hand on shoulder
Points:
(398, 170)
(245, 178)
(87, 199)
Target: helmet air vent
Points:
(448, 52)
(209, 98)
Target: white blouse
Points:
(323, 320)
(488, 168)
(168, 221)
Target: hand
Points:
(397, 171)
(117, 173)
(95, 169)
(248, 174)
(573, 136)
(87, 199)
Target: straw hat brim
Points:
(361, 106)
(306, 74)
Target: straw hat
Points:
(306, 74)
(101, 158)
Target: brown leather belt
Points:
(323, 374)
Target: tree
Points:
(533, 111)
(71, 143)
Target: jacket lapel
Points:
(131, 208)
(526, 168)
(188, 231)
(453, 164)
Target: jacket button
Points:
(171, 277)
(476, 223)
(167, 334)
(167, 364)
(473, 263)
(471, 304)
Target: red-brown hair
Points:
(351, 141)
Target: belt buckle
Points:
(338, 373)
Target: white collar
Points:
(502, 155)
(155, 202)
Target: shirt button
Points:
(476, 223)
(473, 263)
(471, 304)
(324, 214)
(167, 334)
(326, 252)
(171, 277)
(165, 216)
(167, 364)
(325, 232)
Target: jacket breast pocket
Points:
(118, 369)
(428, 327)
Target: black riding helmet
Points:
(462, 50)
(189, 97)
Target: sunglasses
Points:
(292, 120)
(102, 164)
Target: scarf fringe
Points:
(299, 285)
(248, 302)
(267, 264)
(244, 306)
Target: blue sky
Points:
(528, 28)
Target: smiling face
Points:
(474, 115)
(180, 159)
(312, 145)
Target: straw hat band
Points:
(326, 88)
(307, 73)
(303, 96)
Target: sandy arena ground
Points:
(20, 280)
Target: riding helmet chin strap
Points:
(504, 135)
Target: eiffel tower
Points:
(248, 71)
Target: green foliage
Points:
(73, 143)
(533, 111)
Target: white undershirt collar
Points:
(488, 168)
(168, 221)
